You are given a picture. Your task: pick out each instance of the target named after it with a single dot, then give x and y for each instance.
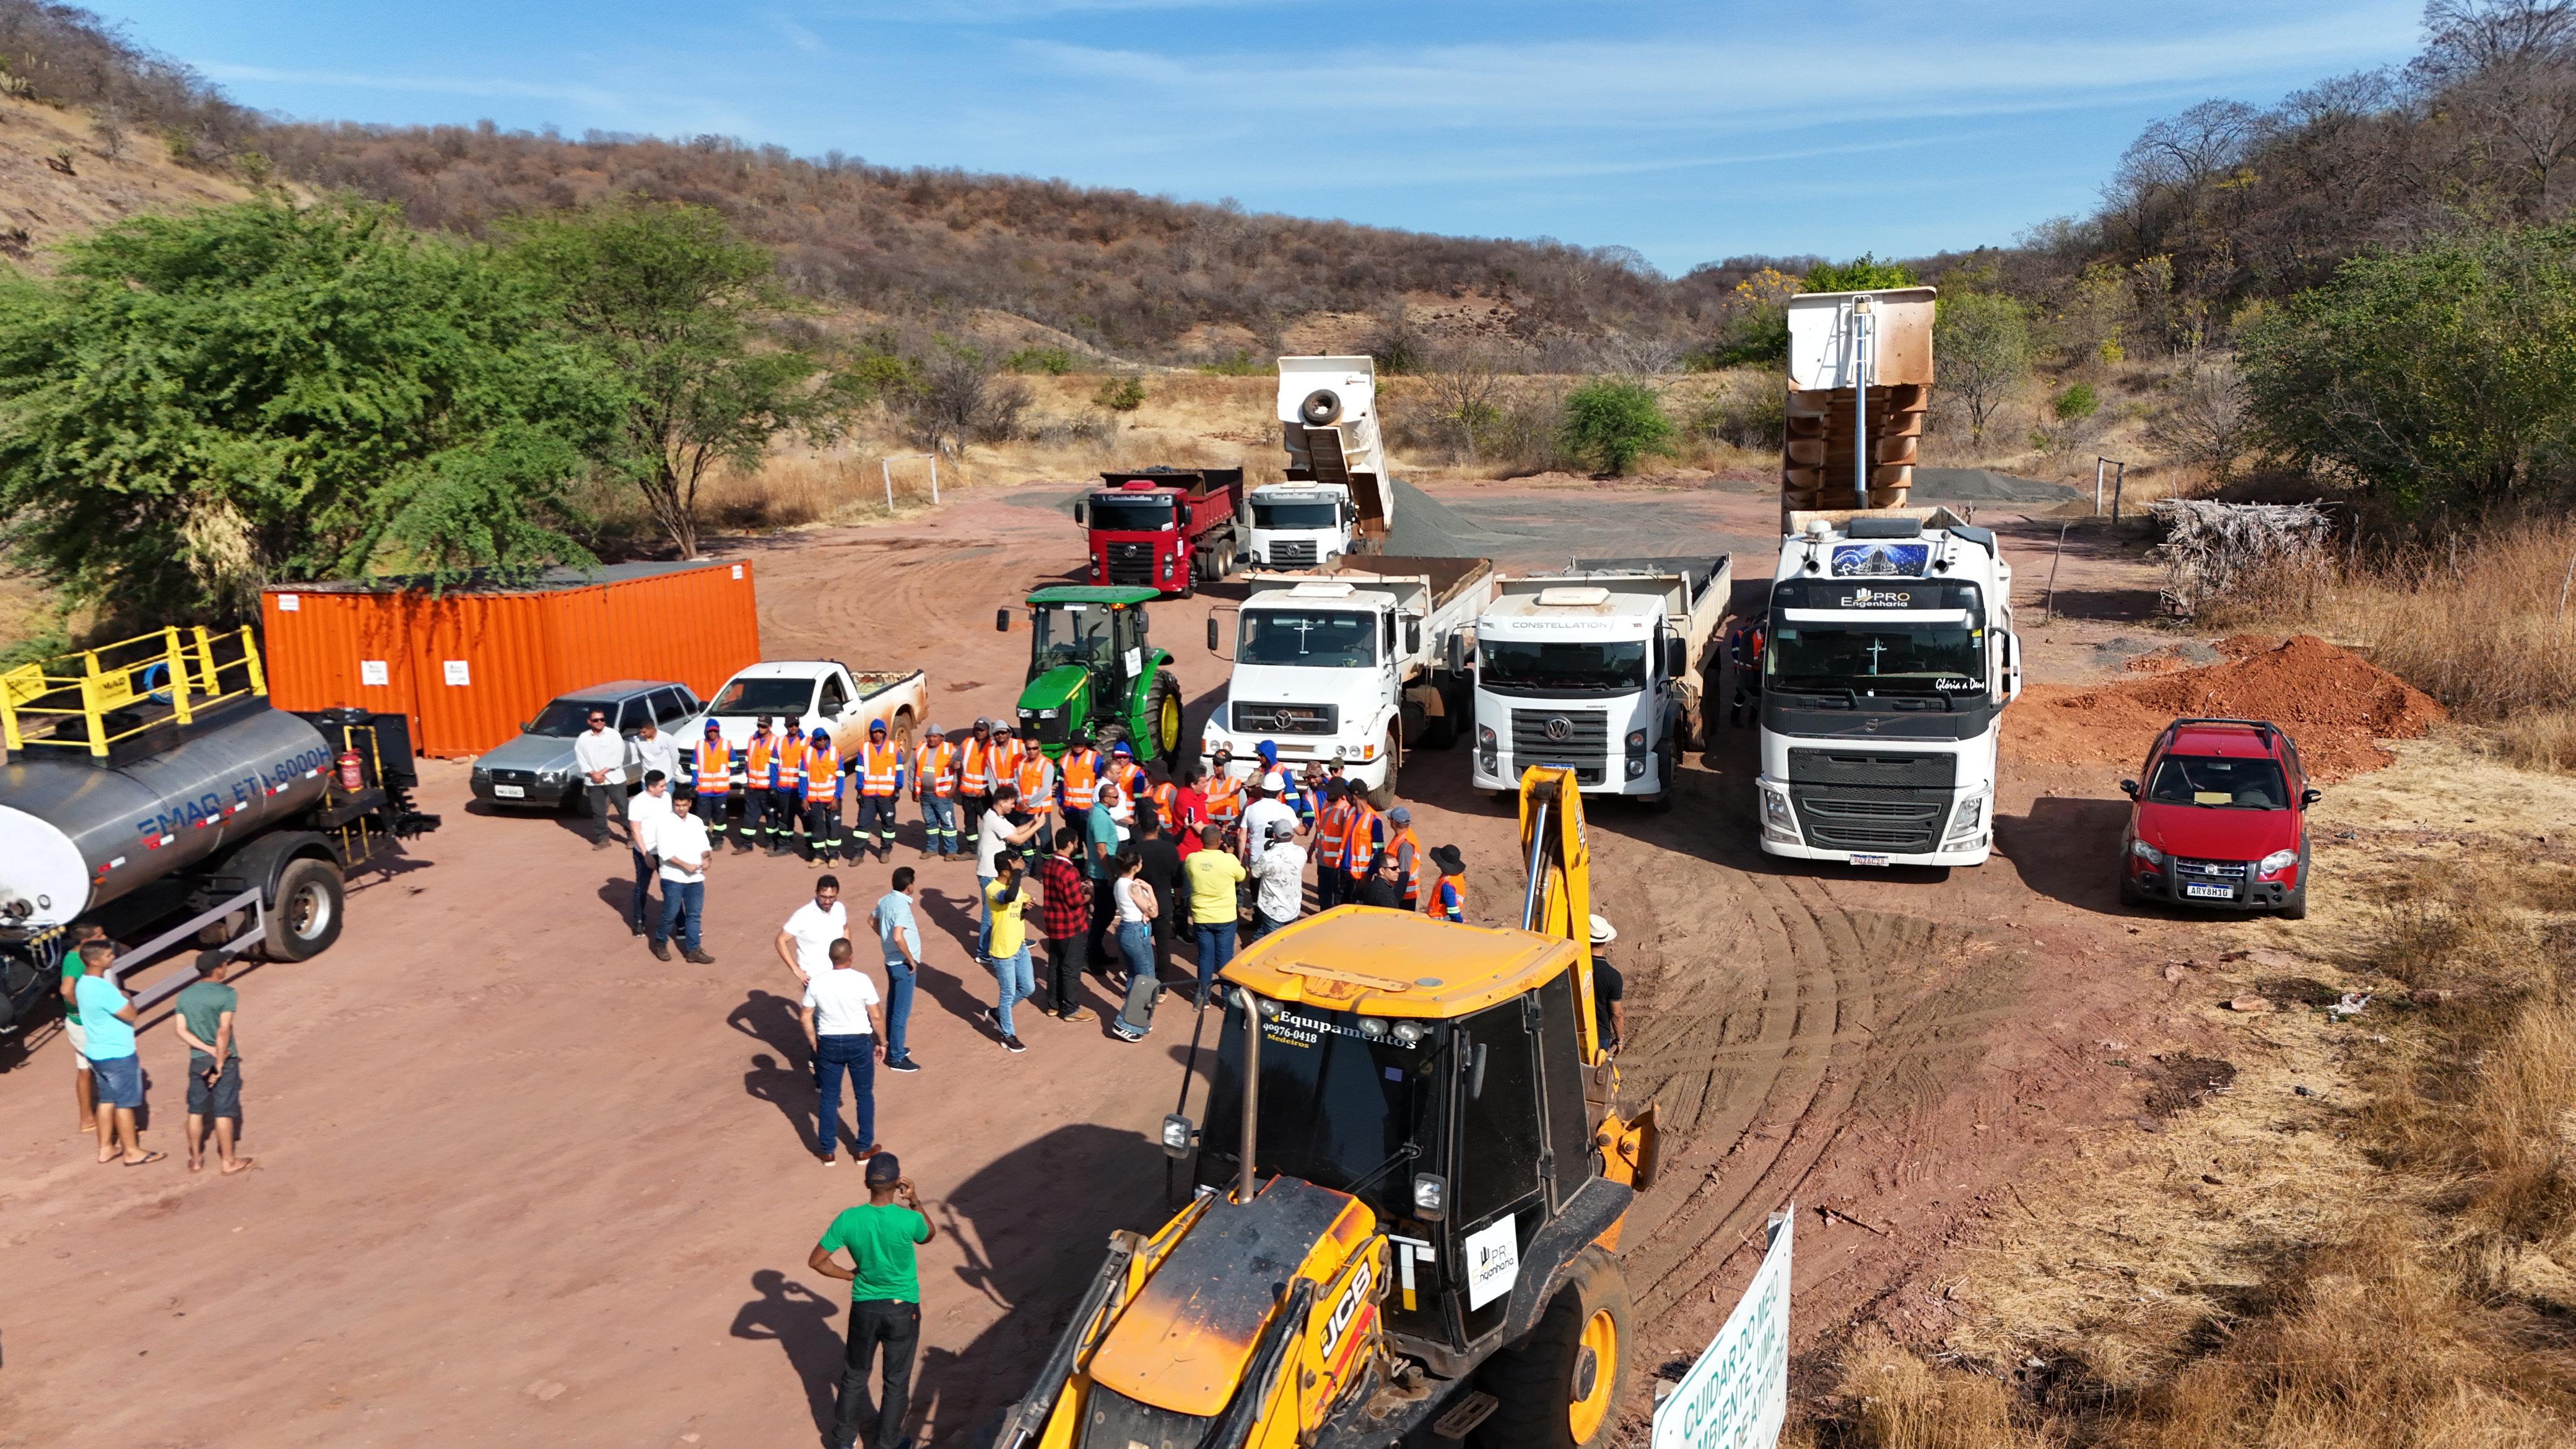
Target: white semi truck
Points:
(1351, 663)
(1337, 499)
(1602, 669)
(1889, 658)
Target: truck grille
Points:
(1872, 767)
(1293, 555)
(1877, 818)
(516, 777)
(1131, 563)
(1287, 719)
(1578, 739)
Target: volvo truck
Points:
(1337, 499)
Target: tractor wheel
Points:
(1163, 716)
(305, 918)
(1383, 797)
(1559, 1387)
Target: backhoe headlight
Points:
(1372, 1027)
(2146, 852)
(1179, 1135)
(1410, 1033)
(2277, 862)
(1430, 1196)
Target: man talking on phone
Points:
(885, 1299)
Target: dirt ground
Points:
(519, 1182)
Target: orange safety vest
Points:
(788, 764)
(878, 765)
(714, 768)
(1035, 777)
(981, 765)
(1131, 781)
(1411, 885)
(1431, 897)
(755, 759)
(1332, 832)
(1081, 779)
(822, 772)
(1163, 795)
(1356, 850)
(1224, 800)
(930, 768)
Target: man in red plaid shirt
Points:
(1064, 918)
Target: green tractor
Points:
(1092, 668)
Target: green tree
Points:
(1866, 273)
(1611, 424)
(196, 405)
(1980, 352)
(2442, 374)
(1119, 394)
(683, 309)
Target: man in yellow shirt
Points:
(1007, 946)
(1215, 877)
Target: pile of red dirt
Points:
(2335, 704)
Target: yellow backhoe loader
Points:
(1409, 1192)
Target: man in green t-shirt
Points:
(206, 1007)
(885, 1299)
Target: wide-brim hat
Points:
(1603, 933)
(1449, 860)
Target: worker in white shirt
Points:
(686, 853)
(600, 754)
(655, 750)
(651, 805)
(840, 1009)
(805, 941)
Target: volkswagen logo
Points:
(1559, 728)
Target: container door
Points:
(328, 650)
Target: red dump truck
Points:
(1169, 529)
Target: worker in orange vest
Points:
(1080, 776)
(759, 756)
(934, 784)
(1129, 777)
(1404, 852)
(1360, 850)
(711, 776)
(1223, 791)
(979, 774)
(1447, 898)
(1035, 776)
(881, 769)
(786, 787)
(1332, 835)
(820, 790)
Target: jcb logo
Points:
(1353, 1298)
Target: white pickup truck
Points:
(814, 691)
(1351, 663)
(1599, 669)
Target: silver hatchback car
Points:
(535, 771)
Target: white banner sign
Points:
(1737, 1395)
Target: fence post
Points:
(934, 477)
(2119, 483)
(2098, 461)
(885, 470)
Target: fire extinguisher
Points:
(352, 772)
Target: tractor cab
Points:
(1090, 663)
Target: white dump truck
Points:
(1351, 663)
(1889, 658)
(1337, 499)
(1601, 669)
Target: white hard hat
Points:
(1275, 783)
(1603, 933)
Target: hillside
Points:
(63, 173)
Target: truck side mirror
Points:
(1457, 654)
(2310, 797)
(1412, 636)
(2129, 788)
(1212, 640)
(1081, 514)
(1001, 621)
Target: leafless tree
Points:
(1632, 354)
(1466, 389)
(2205, 420)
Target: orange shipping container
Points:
(471, 662)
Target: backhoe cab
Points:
(1421, 1234)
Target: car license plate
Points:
(1869, 860)
(510, 792)
(2212, 892)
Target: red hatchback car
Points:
(2221, 821)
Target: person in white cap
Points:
(1609, 992)
(1266, 810)
(1279, 870)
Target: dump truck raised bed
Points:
(149, 788)
(1338, 498)
(1352, 662)
(1166, 529)
(1601, 669)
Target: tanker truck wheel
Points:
(305, 918)
(1558, 1387)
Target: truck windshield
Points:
(566, 718)
(1878, 658)
(765, 696)
(1295, 515)
(1548, 666)
(1128, 513)
(1322, 639)
(1338, 1109)
(2221, 783)
(1072, 633)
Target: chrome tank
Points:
(77, 832)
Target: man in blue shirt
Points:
(107, 1023)
(901, 936)
(1099, 846)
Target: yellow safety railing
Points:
(161, 680)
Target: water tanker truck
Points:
(150, 789)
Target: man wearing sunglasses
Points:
(600, 754)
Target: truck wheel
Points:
(1322, 408)
(1383, 797)
(1163, 717)
(2129, 895)
(305, 918)
(2295, 906)
(1558, 1387)
(1668, 768)
(903, 727)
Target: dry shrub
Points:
(1894, 1400)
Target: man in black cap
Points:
(885, 1299)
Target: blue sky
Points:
(1688, 131)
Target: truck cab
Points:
(1299, 525)
(1166, 529)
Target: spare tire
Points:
(1322, 408)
